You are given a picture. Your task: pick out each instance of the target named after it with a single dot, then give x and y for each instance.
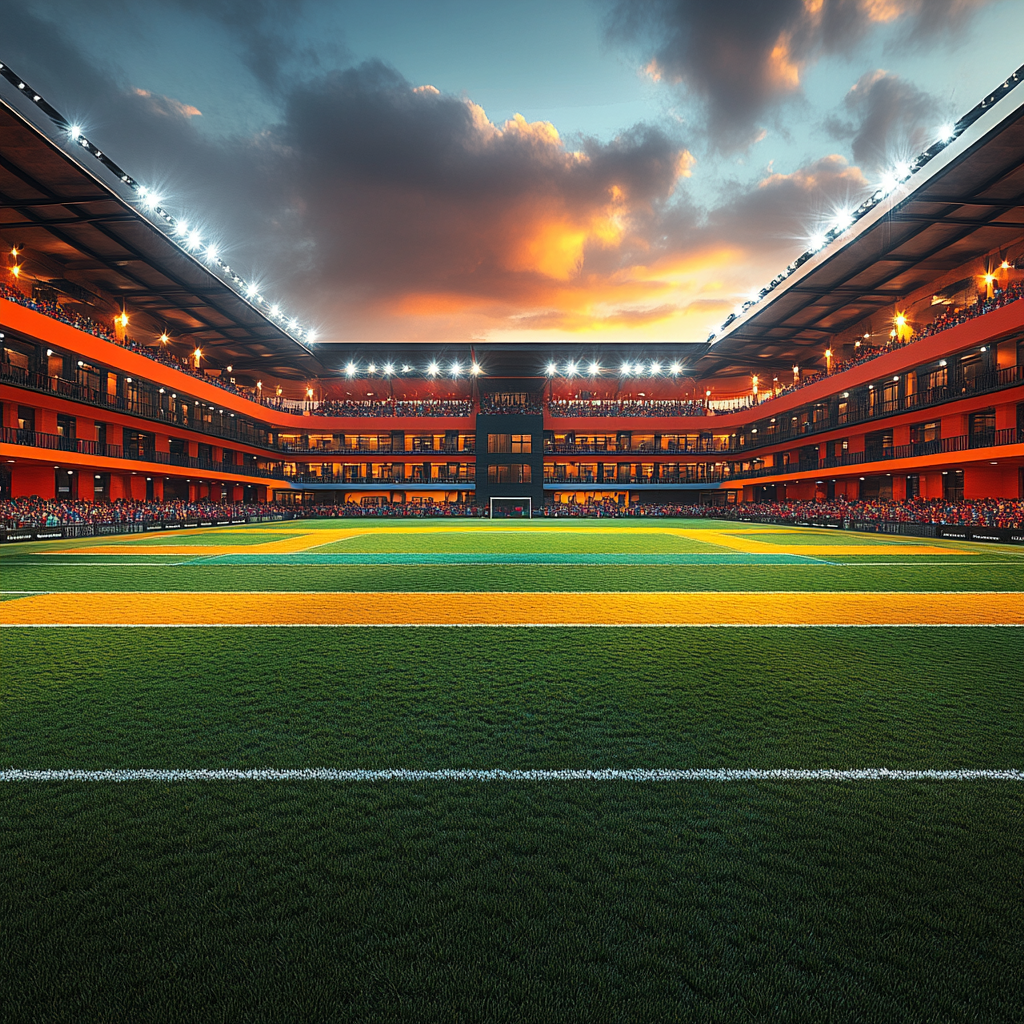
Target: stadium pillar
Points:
(158, 488)
(990, 482)
(46, 421)
(136, 487)
(931, 484)
(33, 480)
(86, 485)
(899, 480)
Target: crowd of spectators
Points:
(157, 353)
(492, 405)
(1003, 513)
(951, 317)
(423, 407)
(626, 407)
(16, 513)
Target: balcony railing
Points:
(360, 480)
(946, 446)
(381, 449)
(59, 443)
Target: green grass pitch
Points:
(499, 901)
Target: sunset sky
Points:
(451, 171)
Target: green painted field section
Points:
(332, 555)
(582, 901)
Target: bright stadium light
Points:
(75, 131)
(655, 368)
(638, 368)
(570, 368)
(817, 241)
(947, 133)
(275, 310)
(433, 369)
(476, 370)
(389, 368)
(406, 367)
(626, 368)
(350, 370)
(193, 241)
(552, 369)
(211, 251)
(595, 369)
(903, 170)
(843, 219)
(251, 289)
(456, 368)
(371, 368)
(676, 368)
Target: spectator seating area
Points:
(991, 512)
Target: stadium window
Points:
(509, 473)
(521, 444)
(499, 443)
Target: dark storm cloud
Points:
(741, 59)
(887, 119)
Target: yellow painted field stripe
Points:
(515, 609)
(746, 544)
(305, 541)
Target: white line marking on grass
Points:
(514, 625)
(510, 775)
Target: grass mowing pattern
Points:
(605, 901)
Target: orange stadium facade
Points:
(886, 364)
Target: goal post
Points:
(511, 508)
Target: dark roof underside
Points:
(971, 207)
(76, 231)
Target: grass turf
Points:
(498, 902)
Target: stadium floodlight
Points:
(193, 241)
(655, 368)
(251, 289)
(151, 201)
(350, 370)
(889, 182)
(275, 310)
(433, 369)
(638, 368)
(211, 251)
(817, 241)
(75, 131)
(311, 336)
(626, 369)
(181, 227)
(293, 324)
(389, 368)
(406, 367)
(676, 368)
(475, 369)
(595, 368)
(456, 368)
(843, 219)
(552, 369)
(947, 133)
(371, 368)
(570, 368)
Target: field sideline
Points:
(725, 819)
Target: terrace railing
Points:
(59, 443)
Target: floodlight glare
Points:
(655, 368)
(350, 370)
(595, 368)
(947, 133)
(626, 368)
(552, 369)
(432, 369)
(676, 368)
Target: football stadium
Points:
(500, 681)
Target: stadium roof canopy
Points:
(965, 198)
(87, 238)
